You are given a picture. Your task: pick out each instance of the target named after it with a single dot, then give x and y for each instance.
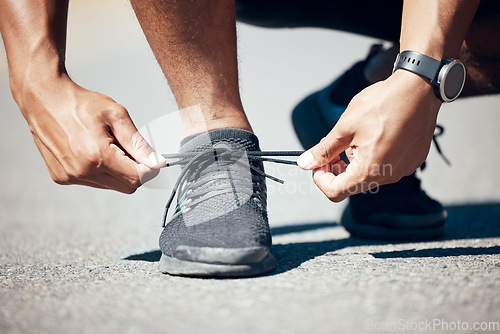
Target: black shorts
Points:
(378, 19)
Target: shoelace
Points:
(201, 158)
(435, 136)
(434, 139)
(193, 162)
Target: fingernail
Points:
(305, 160)
(157, 160)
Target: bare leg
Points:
(481, 54)
(195, 45)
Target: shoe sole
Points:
(218, 262)
(411, 228)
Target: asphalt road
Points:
(80, 260)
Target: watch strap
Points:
(418, 63)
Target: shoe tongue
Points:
(235, 177)
(236, 137)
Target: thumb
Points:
(326, 151)
(134, 143)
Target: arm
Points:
(387, 129)
(84, 137)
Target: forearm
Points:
(34, 34)
(436, 28)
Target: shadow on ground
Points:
(470, 221)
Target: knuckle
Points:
(393, 178)
(61, 179)
(94, 158)
(139, 143)
(336, 199)
(135, 182)
(80, 171)
(323, 149)
(90, 158)
(117, 113)
(130, 191)
(83, 168)
(333, 195)
(330, 192)
(364, 176)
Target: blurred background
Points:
(108, 53)
(59, 243)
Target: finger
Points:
(119, 165)
(334, 168)
(56, 170)
(106, 181)
(338, 187)
(59, 175)
(131, 140)
(327, 150)
(338, 167)
(349, 153)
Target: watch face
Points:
(452, 81)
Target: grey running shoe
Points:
(220, 226)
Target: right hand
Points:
(85, 137)
(386, 132)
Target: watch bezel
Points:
(443, 75)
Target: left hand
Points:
(386, 132)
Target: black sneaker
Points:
(220, 226)
(399, 211)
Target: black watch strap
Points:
(419, 64)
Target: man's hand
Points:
(386, 132)
(86, 138)
(387, 129)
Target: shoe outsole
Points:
(432, 226)
(218, 262)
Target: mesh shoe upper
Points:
(222, 198)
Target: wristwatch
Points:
(446, 75)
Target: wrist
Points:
(414, 79)
(420, 87)
(34, 72)
(447, 76)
